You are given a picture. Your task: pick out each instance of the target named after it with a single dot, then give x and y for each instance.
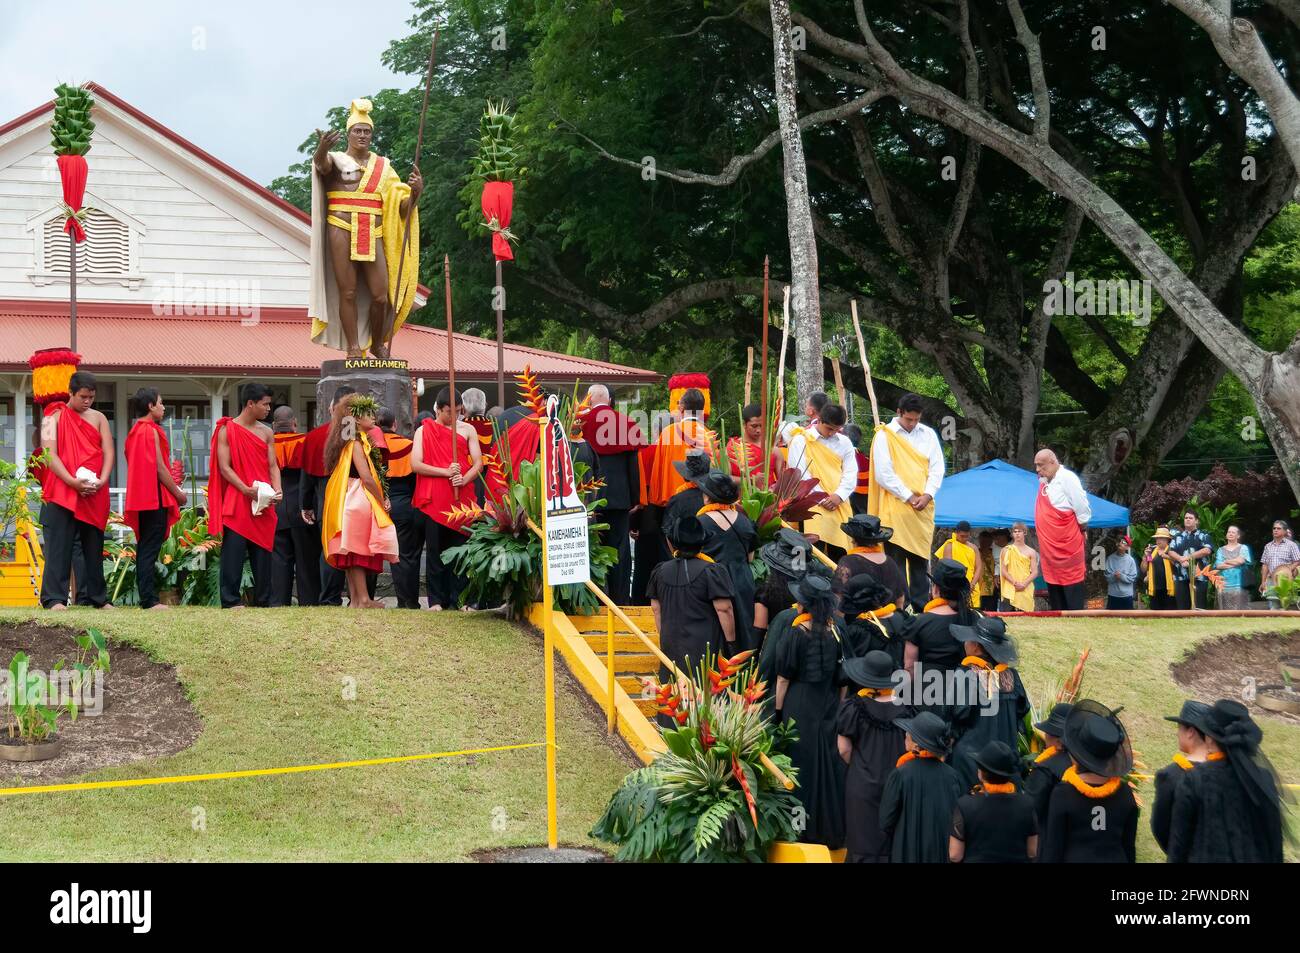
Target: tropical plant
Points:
(712, 796)
(1213, 520)
(497, 158)
(188, 562)
(31, 718)
(92, 659)
(1286, 590)
(72, 126)
(119, 568)
(502, 559)
(17, 488)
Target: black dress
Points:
(685, 590)
(934, 642)
(1043, 778)
(863, 635)
(685, 502)
(916, 811)
(886, 573)
(809, 661)
(731, 547)
(995, 827)
(977, 723)
(1089, 830)
(1167, 782)
(1214, 821)
(872, 726)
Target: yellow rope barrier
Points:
(252, 773)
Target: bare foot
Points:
(59, 607)
(435, 608)
(239, 605)
(373, 604)
(356, 353)
(159, 605)
(468, 609)
(107, 605)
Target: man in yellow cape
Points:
(906, 471)
(822, 452)
(358, 218)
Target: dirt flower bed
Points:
(1221, 668)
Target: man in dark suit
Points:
(616, 441)
(296, 556)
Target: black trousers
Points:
(1119, 602)
(619, 581)
(651, 550)
(1066, 597)
(1163, 602)
(410, 545)
(153, 533)
(443, 584)
(295, 560)
(332, 581)
(1183, 595)
(60, 528)
(915, 570)
(234, 550)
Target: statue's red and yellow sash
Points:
(361, 211)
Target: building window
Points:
(110, 253)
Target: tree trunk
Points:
(805, 307)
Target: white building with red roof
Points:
(193, 279)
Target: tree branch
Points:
(1037, 79)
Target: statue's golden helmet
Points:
(360, 113)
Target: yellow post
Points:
(548, 650)
(609, 671)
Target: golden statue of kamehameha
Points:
(358, 218)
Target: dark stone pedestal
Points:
(389, 382)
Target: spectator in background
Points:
(1279, 560)
(986, 587)
(1191, 547)
(858, 500)
(1001, 540)
(1158, 563)
(1019, 564)
(1230, 561)
(1121, 574)
(958, 548)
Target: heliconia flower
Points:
(754, 692)
(681, 717)
(707, 738)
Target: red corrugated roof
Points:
(118, 338)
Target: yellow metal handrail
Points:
(613, 610)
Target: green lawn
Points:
(268, 685)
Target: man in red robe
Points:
(311, 494)
(153, 500)
(74, 488)
(617, 442)
(446, 460)
(295, 558)
(748, 448)
(240, 508)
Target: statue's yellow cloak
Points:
(323, 294)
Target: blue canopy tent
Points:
(997, 494)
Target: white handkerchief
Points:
(85, 474)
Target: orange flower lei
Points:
(863, 550)
(1216, 756)
(707, 559)
(1008, 788)
(934, 604)
(882, 613)
(978, 662)
(913, 755)
(715, 508)
(1048, 752)
(1071, 777)
(875, 693)
(1183, 761)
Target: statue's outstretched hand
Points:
(325, 141)
(416, 182)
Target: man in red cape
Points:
(295, 558)
(311, 496)
(617, 442)
(748, 448)
(1061, 513)
(243, 454)
(74, 488)
(153, 500)
(444, 478)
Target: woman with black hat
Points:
(868, 556)
(929, 640)
(871, 741)
(1229, 809)
(872, 620)
(1191, 721)
(787, 558)
(687, 499)
(691, 597)
(920, 793)
(1051, 763)
(808, 693)
(730, 539)
(1093, 815)
(994, 824)
(980, 717)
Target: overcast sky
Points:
(245, 80)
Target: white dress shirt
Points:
(1066, 493)
(926, 443)
(841, 446)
